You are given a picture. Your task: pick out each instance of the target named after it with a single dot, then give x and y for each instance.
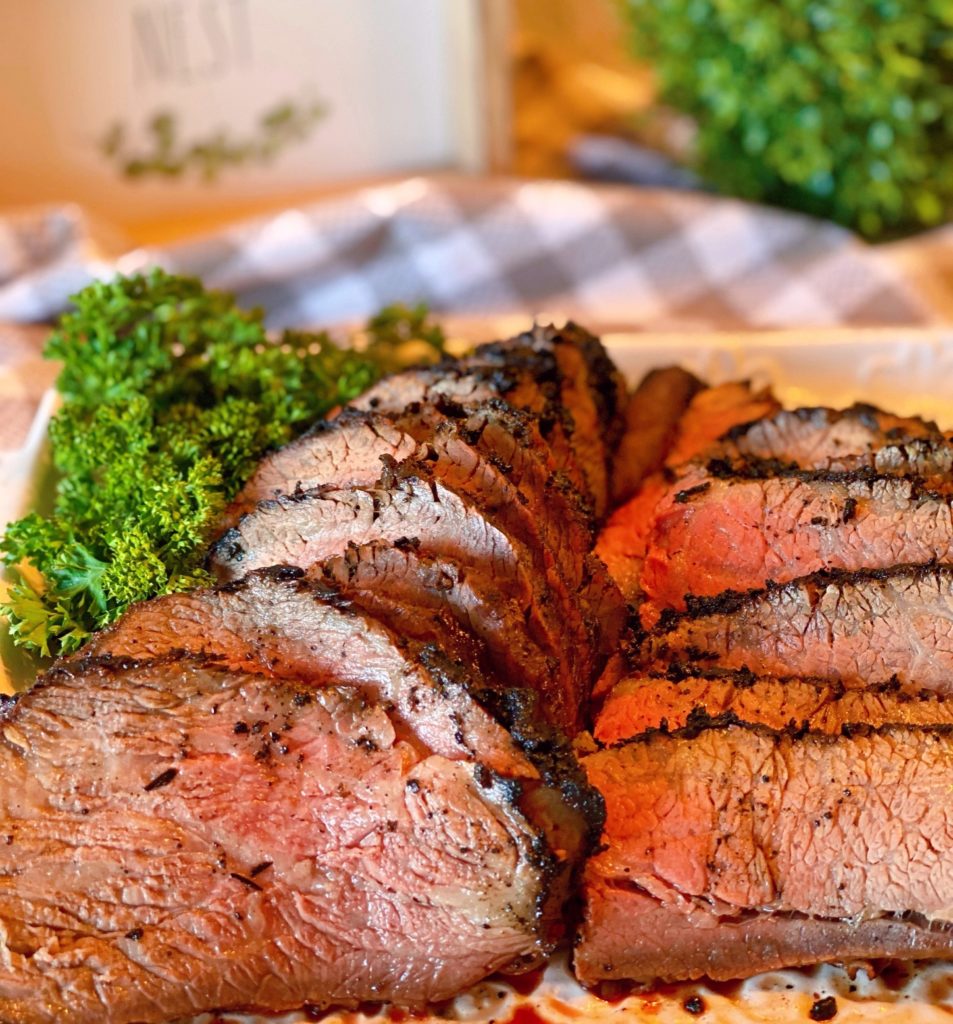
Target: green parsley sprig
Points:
(171, 394)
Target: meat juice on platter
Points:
(508, 672)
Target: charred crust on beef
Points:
(8, 702)
(249, 883)
(682, 497)
(549, 752)
(162, 779)
(700, 721)
(730, 601)
(823, 1009)
(228, 548)
(768, 469)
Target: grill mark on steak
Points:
(859, 627)
(642, 702)
(725, 833)
(444, 880)
(741, 532)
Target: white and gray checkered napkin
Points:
(474, 246)
(607, 255)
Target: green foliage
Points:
(839, 108)
(170, 396)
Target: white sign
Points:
(176, 105)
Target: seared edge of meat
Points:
(652, 415)
(674, 699)
(725, 831)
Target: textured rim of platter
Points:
(907, 370)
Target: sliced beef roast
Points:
(737, 850)
(183, 838)
(710, 413)
(820, 438)
(652, 416)
(283, 623)
(672, 701)
(737, 533)
(306, 528)
(860, 627)
(343, 452)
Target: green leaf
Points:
(171, 395)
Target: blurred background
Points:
(648, 162)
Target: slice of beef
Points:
(494, 457)
(647, 701)
(713, 412)
(928, 460)
(526, 381)
(591, 389)
(345, 452)
(858, 627)
(652, 416)
(622, 543)
(436, 600)
(283, 623)
(182, 838)
(737, 533)
(820, 438)
(735, 850)
(583, 359)
(306, 528)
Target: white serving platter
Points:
(908, 370)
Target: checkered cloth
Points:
(609, 256)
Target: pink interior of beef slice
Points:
(711, 412)
(304, 530)
(780, 496)
(180, 837)
(674, 700)
(729, 850)
(711, 533)
(858, 627)
(278, 622)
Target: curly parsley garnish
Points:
(171, 394)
